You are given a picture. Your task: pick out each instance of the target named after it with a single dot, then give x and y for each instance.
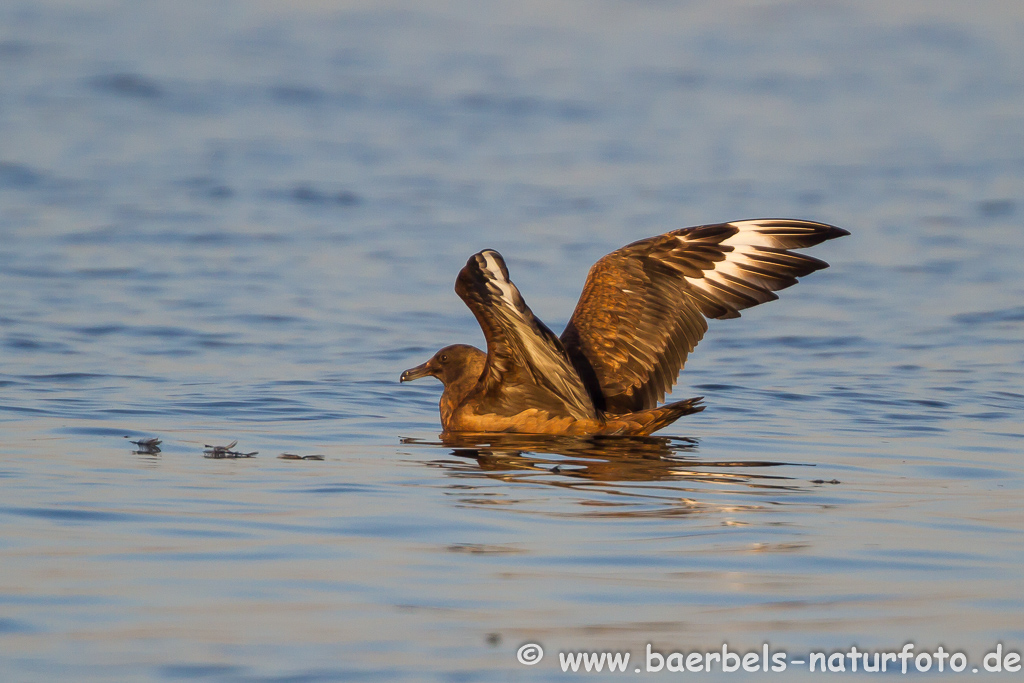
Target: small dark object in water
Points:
(293, 456)
(147, 446)
(823, 481)
(226, 452)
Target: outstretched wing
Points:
(643, 307)
(526, 364)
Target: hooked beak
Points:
(416, 372)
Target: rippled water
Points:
(239, 221)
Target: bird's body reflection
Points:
(665, 471)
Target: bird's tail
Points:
(646, 422)
(670, 412)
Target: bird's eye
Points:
(444, 357)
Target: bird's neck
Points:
(455, 392)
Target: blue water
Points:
(240, 221)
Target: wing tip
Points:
(783, 233)
(838, 232)
(491, 262)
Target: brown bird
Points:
(642, 311)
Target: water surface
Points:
(241, 221)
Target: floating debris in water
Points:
(293, 456)
(226, 452)
(147, 446)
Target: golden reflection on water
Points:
(614, 476)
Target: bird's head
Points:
(450, 364)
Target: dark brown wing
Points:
(643, 307)
(526, 364)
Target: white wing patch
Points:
(751, 237)
(498, 279)
(755, 261)
(731, 266)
